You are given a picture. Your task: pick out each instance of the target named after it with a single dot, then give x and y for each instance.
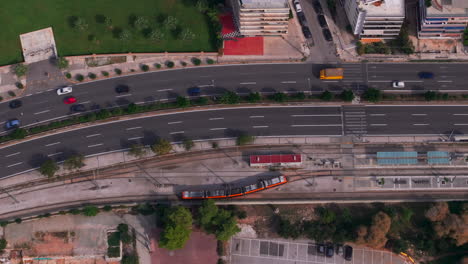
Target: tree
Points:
(227, 225)
(187, 34)
(377, 236)
(428, 3)
(177, 228)
(347, 95)
(254, 97)
(438, 212)
(156, 35)
(141, 23)
(90, 210)
(49, 168)
(74, 162)
(288, 229)
(372, 95)
(3, 244)
(188, 144)
(161, 147)
(279, 97)
(62, 63)
(137, 150)
(18, 133)
(182, 101)
(230, 98)
(170, 22)
(206, 212)
(430, 95)
(20, 69)
(202, 6)
(244, 139)
(125, 35)
(80, 24)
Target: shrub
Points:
(79, 77)
(118, 71)
(202, 101)
(62, 63)
(4, 223)
(92, 75)
(326, 96)
(196, 61)
(188, 144)
(210, 61)
(19, 133)
(299, 96)
(169, 64)
(430, 95)
(130, 259)
(230, 98)
(244, 140)
(49, 168)
(157, 66)
(183, 63)
(182, 101)
(74, 211)
(68, 75)
(107, 208)
(347, 95)
(20, 69)
(18, 220)
(161, 147)
(11, 93)
(144, 67)
(90, 210)
(279, 97)
(62, 212)
(3, 244)
(215, 145)
(254, 97)
(372, 95)
(105, 73)
(19, 85)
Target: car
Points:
(317, 7)
(69, 100)
(398, 84)
(122, 89)
(321, 249)
(15, 104)
(322, 21)
(330, 251)
(339, 250)
(64, 90)
(298, 7)
(327, 34)
(306, 32)
(348, 252)
(194, 91)
(302, 18)
(78, 108)
(12, 123)
(426, 75)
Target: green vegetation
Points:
(3, 244)
(113, 242)
(210, 61)
(137, 150)
(326, 96)
(244, 139)
(118, 71)
(431, 96)
(49, 168)
(230, 98)
(196, 61)
(105, 73)
(347, 95)
(332, 7)
(279, 97)
(254, 97)
(79, 77)
(220, 222)
(74, 162)
(20, 69)
(90, 210)
(188, 144)
(144, 67)
(92, 75)
(374, 47)
(465, 37)
(372, 95)
(11, 93)
(402, 44)
(428, 3)
(19, 85)
(182, 101)
(162, 147)
(169, 64)
(177, 228)
(62, 63)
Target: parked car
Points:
(322, 21)
(15, 104)
(302, 18)
(298, 7)
(122, 88)
(69, 100)
(426, 75)
(78, 108)
(398, 84)
(12, 123)
(330, 251)
(64, 90)
(194, 91)
(327, 34)
(306, 32)
(317, 7)
(339, 250)
(321, 249)
(348, 252)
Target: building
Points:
(443, 19)
(261, 17)
(281, 160)
(375, 20)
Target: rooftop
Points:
(388, 8)
(264, 3)
(448, 8)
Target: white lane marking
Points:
(260, 126)
(177, 132)
(93, 135)
(288, 82)
(205, 85)
(460, 114)
(50, 90)
(460, 124)
(419, 114)
(14, 164)
(445, 81)
(134, 138)
(28, 94)
(12, 154)
(54, 154)
(87, 102)
(389, 81)
(123, 95)
(316, 125)
(256, 116)
(247, 83)
(378, 114)
(45, 111)
(332, 81)
(378, 124)
(175, 122)
(216, 118)
(95, 145)
(420, 124)
(132, 128)
(219, 128)
(51, 144)
(313, 115)
(164, 90)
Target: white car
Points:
(398, 84)
(298, 7)
(64, 90)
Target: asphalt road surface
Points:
(43, 107)
(227, 123)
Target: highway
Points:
(264, 78)
(230, 122)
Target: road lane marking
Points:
(332, 81)
(132, 128)
(164, 90)
(175, 122)
(42, 112)
(14, 154)
(51, 144)
(216, 118)
(54, 154)
(378, 124)
(313, 115)
(247, 83)
(134, 138)
(14, 164)
(460, 114)
(316, 125)
(177, 132)
(93, 135)
(123, 95)
(419, 114)
(95, 145)
(87, 102)
(288, 82)
(256, 116)
(420, 124)
(445, 81)
(218, 128)
(260, 126)
(378, 114)
(460, 124)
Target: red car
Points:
(69, 100)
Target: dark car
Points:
(329, 251)
(306, 32)
(122, 89)
(12, 123)
(194, 91)
(15, 104)
(426, 75)
(302, 18)
(317, 7)
(322, 21)
(78, 108)
(321, 249)
(348, 252)
(327, 34)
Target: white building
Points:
(443, 19)
(261, 17)
(375, 19)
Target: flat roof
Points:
(267, 159)
(448, 8)
(386, 8)
(264, 3)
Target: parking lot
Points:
(282, 251)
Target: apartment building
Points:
(375, 20)
(261, 17)
(443, 19)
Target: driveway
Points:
(43, 76)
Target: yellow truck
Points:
(331, 74)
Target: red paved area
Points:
(239, 46)
(200, 249)
(228, 24)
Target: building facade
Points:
(443, 19)
(261, 17)
(375, 19)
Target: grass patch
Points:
(106, 21)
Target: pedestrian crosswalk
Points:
(354, 72)
(354, 120)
